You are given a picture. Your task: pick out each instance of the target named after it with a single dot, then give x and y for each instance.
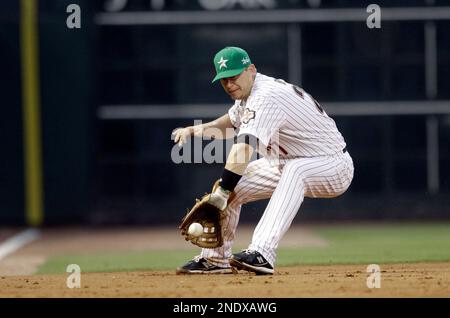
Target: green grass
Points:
(374, 244)
(350, 244)
(118, 262)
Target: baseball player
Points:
(304, 154)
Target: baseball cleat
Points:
(251, 261)
(200, 265)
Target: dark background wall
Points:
(68, 101)
(11, 158)
(67, 114)
(100, 170)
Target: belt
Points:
(344, 150)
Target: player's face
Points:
(239, 86)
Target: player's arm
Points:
(218, 129)
(211, 129)
(237, 162)
(239, 158)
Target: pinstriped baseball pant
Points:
(286, 185)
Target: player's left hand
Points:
(209, 216)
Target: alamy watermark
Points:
(73, 21)
(74, 279)
(218, 148)
(374, 19)
(374, 279)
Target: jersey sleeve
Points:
(234, 115)
(262, 118)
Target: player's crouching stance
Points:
(305, 155)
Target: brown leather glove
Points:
(210, 217)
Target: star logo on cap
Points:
(222, 62)
(245, 60)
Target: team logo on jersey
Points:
(222, 63)
(245, 60)
(248, 115)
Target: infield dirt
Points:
(430, 279)
(397, 280)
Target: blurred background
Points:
(87, 112)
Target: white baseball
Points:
(195, 229)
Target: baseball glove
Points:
(210, 217)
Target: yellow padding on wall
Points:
(31, 113)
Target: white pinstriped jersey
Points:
(312, 163)
(280, 113)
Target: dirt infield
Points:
(16, 279)
(397, 280)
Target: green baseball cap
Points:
(230, 62)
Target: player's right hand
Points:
(181, 134)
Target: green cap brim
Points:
(229, 73)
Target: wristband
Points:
(229, 180)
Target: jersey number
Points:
(300, 92)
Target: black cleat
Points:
(251, 261)
(199, 265)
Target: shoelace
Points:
(248, 251)
(197, 258)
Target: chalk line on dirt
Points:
(19, 240)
